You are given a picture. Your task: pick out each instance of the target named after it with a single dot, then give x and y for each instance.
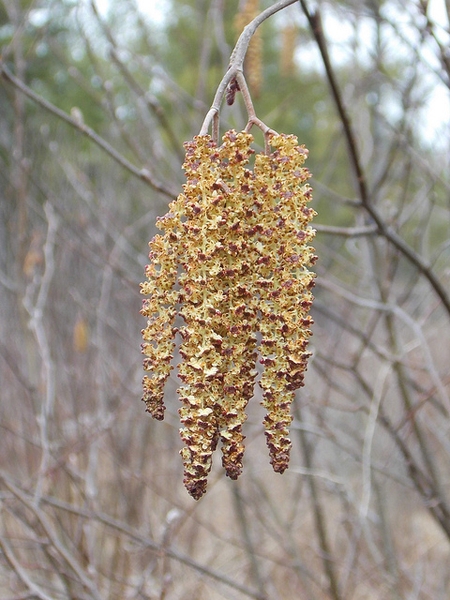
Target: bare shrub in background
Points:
(95, 107)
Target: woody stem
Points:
(235, 69)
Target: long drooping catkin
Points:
(239, 239)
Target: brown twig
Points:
(144, 174)
(385, 230)
(235, 71)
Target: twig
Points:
(36, 324)
(387, 232)
(420, 477)
(319, 516)
(144, 174)
(368, 440)
(252, 118)
(347, 231)
(172, 524)
(150, 101)
(52, 537)
(239, 505)
(235, 68)
(34, 589)
(133, 534)
(409, 321)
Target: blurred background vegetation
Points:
(92, 504)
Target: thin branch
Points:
(408, 320)
(372, 417)
(144, 174)
(149, 99)
(422, 481)
(241, 515)
(419, 477)
(319, 515)
(387, 232)
(347, 231)
(315, 23)
(50, 533)
(252, 118)
(235, 67)
(34, 589)
(36, 324)
(133, 534)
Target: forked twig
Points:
(235, 74)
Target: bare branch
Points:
(15, 565)
(319, 515)
(235, 67)
(128, 531)
(387, 232)
(144, 174)
(347, 231)
(53, 538)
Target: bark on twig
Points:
(385, 230)
(144, 174)
(235, 69)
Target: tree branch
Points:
(144, 174)
(35, 590)
(128, 531)
(319, 516)
(387, 232)
(47, 527)
(361, 231)
(235, 68)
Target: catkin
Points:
(253, 63)
(234, 262)
(288, 45)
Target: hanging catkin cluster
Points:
(233, 261)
